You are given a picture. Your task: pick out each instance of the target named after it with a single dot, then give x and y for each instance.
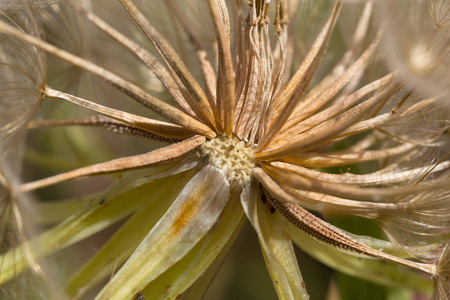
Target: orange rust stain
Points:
(188, 210)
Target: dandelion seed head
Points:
(232, 156)
(247, 120)
(421, 60)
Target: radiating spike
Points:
(327, 233)
(226, 99)
(209, 74)
(145, 56)
(161, 155)
(160, 128)
(106, 123)
(345, 190)
(292, 92)
(127, 87)
(194, 93)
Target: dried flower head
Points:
(23, 77)
(253, 132)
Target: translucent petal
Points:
(276, 246)
(36, 282)
(189, 218)
(213, 246)
(123, 198)
(125, 241)
(15, 227)
(53, 212)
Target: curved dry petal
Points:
(362, 267)
(374, 178)
(159, 156)
(296, 87)
(345, 190)
(323, 231)
(163, 129)
(134, 91)
(295, 126)
(346, 157)
(193, 93)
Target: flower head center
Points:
(231, 155)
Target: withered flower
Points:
(254, 133)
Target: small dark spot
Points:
(272, 210)
(303, 285)
(178, 297)
(139, 296)
(102, 201)
(264, 198)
